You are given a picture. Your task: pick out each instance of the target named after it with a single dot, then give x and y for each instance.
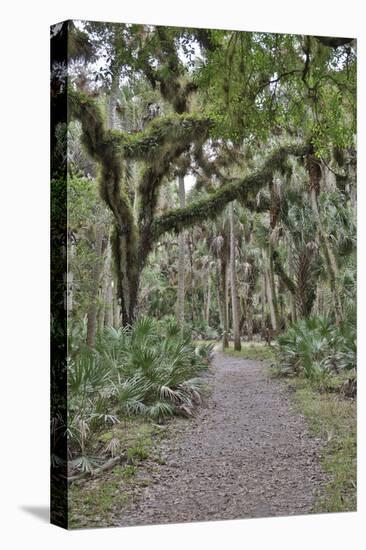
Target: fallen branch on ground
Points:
(92, 473)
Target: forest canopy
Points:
(265, 120)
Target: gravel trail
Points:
(245, 455)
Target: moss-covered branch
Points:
(147, 145)
(333, 42)
(170, 74)
(165, 139)
(169, 137)
(84, 108)
(103, 145)
(242, 190)
(159, 147)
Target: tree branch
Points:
(333, 42)
(277, 79)
(209, 207)
(171, 83)
(162, 133)
(159, 147)
(164, 140)
(168, 139)
(147, 145)
(106, 466)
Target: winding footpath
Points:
(245, 455)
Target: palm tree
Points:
(220, 247)
(181, 257)
(233, 281)
(298, 232)
(262, 234)
(315, 175)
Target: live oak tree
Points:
(158, 147)
(234, 112)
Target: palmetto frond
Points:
(148, 370)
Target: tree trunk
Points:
(113, 97)
(128, 267)
(263, 305)
(224, 289)
(227, 290)
(270, 299)
(190, 239)
(291, 275)
(242, 314)
(272, 283)
(330, 259)
(101, 310)
(116, 309)
(181, 259)
(109, 304)
(250, 318)
(93, 307)
(70, 279)
(104, 277)
(234, 290)
(208, 300)
(124, 241)
(218, 296)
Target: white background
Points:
(24, 304)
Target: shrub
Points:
(149, 369)
(315, 348)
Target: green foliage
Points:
(333, 419)
(315, 348)
(86, 215)
(244, 92)
(207, 208)
(262, 83)
(149, 370)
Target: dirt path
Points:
(245, 455)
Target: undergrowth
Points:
(94, 502)
(150, 371)
(331, 417)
